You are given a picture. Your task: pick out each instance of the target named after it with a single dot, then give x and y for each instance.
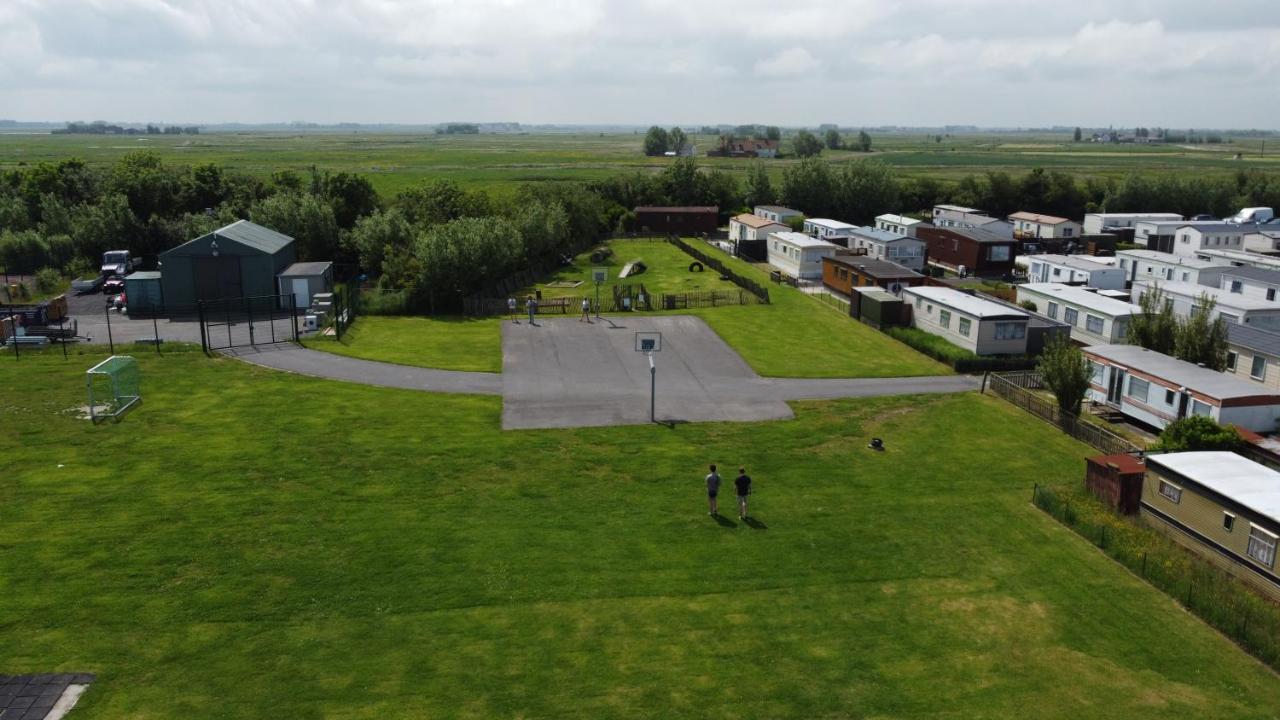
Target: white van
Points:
(1252, 215)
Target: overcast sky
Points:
(1175, 63)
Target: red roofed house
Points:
(1027, 225)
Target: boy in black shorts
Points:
(713, 488)
(742, 484)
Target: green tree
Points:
(305, 218)
(677, 140)
(657, 141)
(461, 257)
(351, 196)
(863, 190)
(773, 132)
(544, 226)
(1156, 327)
(759, 187)
(1197, 432)
(383, 241)
(864, 141)
(1065, 371)
(681, 183)
(806, 144)
(808, 187)
(441, 201)
(1200, 338)
(1077, 136)
(833, 139)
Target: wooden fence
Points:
(1016, 387)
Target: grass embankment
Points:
(250, 544)
(446, 343)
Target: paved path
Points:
(562, 373)
(291, 358)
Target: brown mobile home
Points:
(978, 251)
(691, 220)
(844, 272)
(1221, 505)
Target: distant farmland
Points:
(502, 162)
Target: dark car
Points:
(113, 286)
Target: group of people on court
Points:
(741, 485)
(531, 304)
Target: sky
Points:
(992, 63)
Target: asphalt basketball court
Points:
(566, 373)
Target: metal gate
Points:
(247, 322)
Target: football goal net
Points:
(113, 387)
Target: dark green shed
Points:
(143, 293)
(239, 260)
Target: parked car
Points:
(114, 285)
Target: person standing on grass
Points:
(586, 310)
(713, 488)
(511, 309)
(742, 484)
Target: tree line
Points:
(65, 214)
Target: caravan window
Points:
(1171, 491)
(1138, 388)
(1095, 373)
(944, 318)
(1258, 371)
(1262, 546)
(964, 326)
(1093, 324)
(1069, 316)
(1010, 331)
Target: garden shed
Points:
(144, 292)
(303, 281)
(240, 260)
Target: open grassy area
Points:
(666, 271)
(252, 544)
(794, 336)
(500, 163)
(446, 343)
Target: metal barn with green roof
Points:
(239, 260)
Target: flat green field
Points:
(445, 343)
(395, 161)
(794, 336)
(252, 544)
(666, 271)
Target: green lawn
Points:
(447, 343)
(795, 336)
(666, 271)
(252, 544)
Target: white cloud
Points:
(788, 63)
(640, 60)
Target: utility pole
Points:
(653, 389)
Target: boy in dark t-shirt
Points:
(713, 489)
(743, 485)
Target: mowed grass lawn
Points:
(252, 544)
(666, 271)
(794, 336)
(447, 343)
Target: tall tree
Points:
(1078, 135)
(864, 141)
(773, 132)
(833, 139)
(1156, 327)
(808, 187)
(759, 187)
(1066, 372)
(304, 217)
(657, 141)
(677, 140)
(807, 144)
(1201, 339)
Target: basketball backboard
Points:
(648, 342)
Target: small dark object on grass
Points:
(695, 266)
(876, 444)
(725, 278)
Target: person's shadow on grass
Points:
(754, 524)
(724, 521)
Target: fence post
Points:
(1144, 566)
(111, 341)
(204, 340)
(293, 314)
(1035, 492)
(985, 374)
(1191, 584)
